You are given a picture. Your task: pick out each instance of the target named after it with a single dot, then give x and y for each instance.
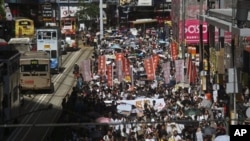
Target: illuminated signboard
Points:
(34, 62)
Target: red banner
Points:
(155, 61)
(119, 56)
(192, 73)
(148, 65)
(126, 69)
(110, 75)
(174, 50)
(102, 65)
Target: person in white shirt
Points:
(199, 136)
(176, 136)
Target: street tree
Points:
(88, 11)
(2, 10)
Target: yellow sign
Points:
(47, 46)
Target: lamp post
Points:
(101, 19)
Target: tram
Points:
(49, 40)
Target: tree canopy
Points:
(88, 11)
(2, 10)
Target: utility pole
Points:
(101, 19)
(183, 28)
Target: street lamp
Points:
(101, 19)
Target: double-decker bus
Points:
(69, 32)
(49, 40)
(35, 73)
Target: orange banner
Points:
(174, 50)
(110, 75)
(102, 65)
(119, 56)
(148, 65)
(155, 61)
(126, 69)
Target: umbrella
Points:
(222, 138)
(183, 85)
(110, 56)
(103, 120)
(206, 103)
(115, 46)
(192, 111)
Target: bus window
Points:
(25, 68)
(41, 68)
(53, 54)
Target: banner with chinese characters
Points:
(102, 65)
(126, 69)
(148, 65)
(110, 75)
(155, 61)
(86, 70)
(179, 70)
(119, 56)
(166, 71)
(174, 50)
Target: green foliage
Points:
(2, 11)
(88, 11)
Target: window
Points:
(53, 54)
(54, 34)
(30, 68)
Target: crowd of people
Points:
(186, 114)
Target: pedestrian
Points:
(199, 136)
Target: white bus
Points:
(49, 40)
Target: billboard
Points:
(136, 3)
(192, 32)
